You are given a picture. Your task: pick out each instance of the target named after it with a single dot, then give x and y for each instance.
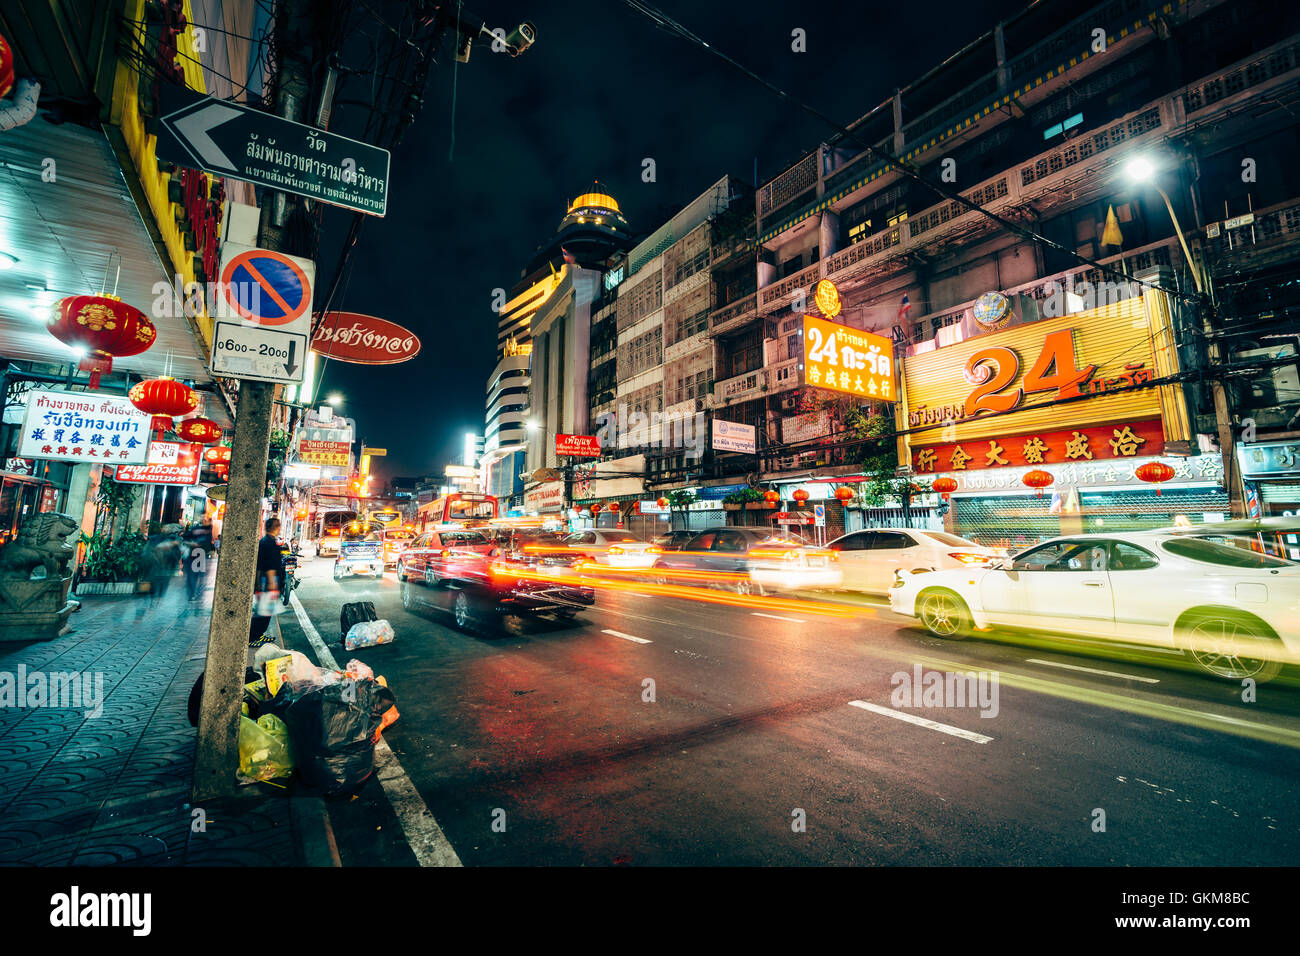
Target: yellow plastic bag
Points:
(264, 748)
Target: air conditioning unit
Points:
(789, 463)
(1286, 384)
(789, 403)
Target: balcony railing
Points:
(741, 309)
(777, 293)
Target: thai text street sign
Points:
(231, 139)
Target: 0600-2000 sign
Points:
(270, 351)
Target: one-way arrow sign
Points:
(231, 139)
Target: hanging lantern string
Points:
(108, 264)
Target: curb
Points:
(311, 823)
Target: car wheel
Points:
(659, 574)
(943, 614)
(462, 610)
(401, 573)
(1215, 640)
(430, 578)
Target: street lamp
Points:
(1141, 170)
(334, 400)
(531, 425)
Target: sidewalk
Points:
(114, 789)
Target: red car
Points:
(439, 556)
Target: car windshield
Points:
(787, 539)
(620, 538)
(950, 539)
(1209, 552)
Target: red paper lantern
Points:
(614, 506)
(595, 509)
(6, 68)
(844, 493)
(800, 496)
(1038, 479)
(661, 502)
(771, 497)
(1154, 472)
(202, 430)
(218, 455)
(163, 398)
(103, 325)
(944, 486)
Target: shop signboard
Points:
(733, 436)
(577, 446)
(169, 463)
(849, 360)
(1271, 458)
(1111, 473)
(547, 498)
(1032, 389)
(313, 451)
(83, 426)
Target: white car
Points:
(869, 558)
(1235, 611)
(613, 547)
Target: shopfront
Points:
(1044, 428)
(1271, 473)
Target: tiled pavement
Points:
(114, 789)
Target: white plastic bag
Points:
(368, 634)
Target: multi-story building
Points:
(1040, 121)
(593, 228)
(91, 210)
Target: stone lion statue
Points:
(41, 539)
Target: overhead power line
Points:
(665, 22)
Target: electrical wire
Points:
(665, 22)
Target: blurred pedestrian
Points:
(267, 579)
(159, 559)
(198, 548)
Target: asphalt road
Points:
(540, 744)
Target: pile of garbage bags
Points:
(323, 723)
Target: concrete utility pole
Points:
(217, 759)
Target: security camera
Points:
(521, 38)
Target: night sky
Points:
(600, 90)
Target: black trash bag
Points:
(332, 728)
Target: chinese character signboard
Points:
(169, 463)
(848, 360)
(997, 450)
(312, 451)
(1075, 388)
(83, 426)
(578, 446)
(1086, 475)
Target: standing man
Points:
(268, 576)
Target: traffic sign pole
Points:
(217, 757)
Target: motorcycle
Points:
(289, 559)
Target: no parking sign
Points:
(271, 293)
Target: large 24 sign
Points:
(996, 367)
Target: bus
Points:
(458, 510)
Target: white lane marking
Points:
(778, 617)
(423, 835)
(921, 722)
(626, 637)
(1092, 670)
